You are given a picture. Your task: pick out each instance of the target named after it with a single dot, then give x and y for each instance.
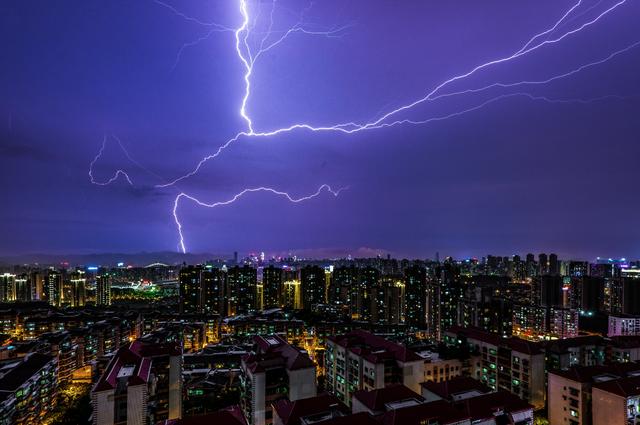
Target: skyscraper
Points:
(241, 289)
(103, 288)
(23, 287)
(190, 288)
(271, 286)
(7, 287)
(543, 262)
(212, 281)
(54, 288)
(361, 296)
(554, 265)
(312, 279)
(78, 288)
(415, 280)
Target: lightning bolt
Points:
(239, 195)
(248, 57)
(351, 127)
(115, 176)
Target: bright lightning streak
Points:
(550, 30)
(117, 174)
(248, 58)
(516, 55)
(351, 127)
(239, 195)
(545, 81)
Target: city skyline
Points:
(529, 144)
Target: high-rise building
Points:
(312, 279)
(211, 300)
(343, 289)
(360, 360)
(415, 281)
(368, 279)
(592, 294)
(142, 384)
(23, 287)
(578, 268)
(54, 288)
(103, 288)
(78, 294)
(7, 287)
(291, 295)
(388, 301)
(554, 265)
(547, 291)
(190, 288)
(241, 289)
(271, 286)
(631, 295)
(531, 266)
(510, 364)
(443, 298)
(28, 389)
(38, 286)
(274, 370)
(543, 263)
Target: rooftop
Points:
(374, 348)
(514, 343)
(487, 406)
(127, 364)
(591, 374)
(273, 351)
(291, 412)
(21, 371)
(229, 416)
(438, 411)
(456, 388)
(625, 387)
(377, 400)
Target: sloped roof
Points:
(274, 351)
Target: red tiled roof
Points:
(291, 411)
(128, 355)
(374, 348)
(123, 357)
(375, 400)
(456, 385)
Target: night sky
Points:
(520, 174)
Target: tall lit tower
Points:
(103, 288)
(78, 288)
(54, 288)
(7, 287)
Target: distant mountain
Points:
(111, 259)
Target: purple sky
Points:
(515, 176)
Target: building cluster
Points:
(536, 299)
(379, 341)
